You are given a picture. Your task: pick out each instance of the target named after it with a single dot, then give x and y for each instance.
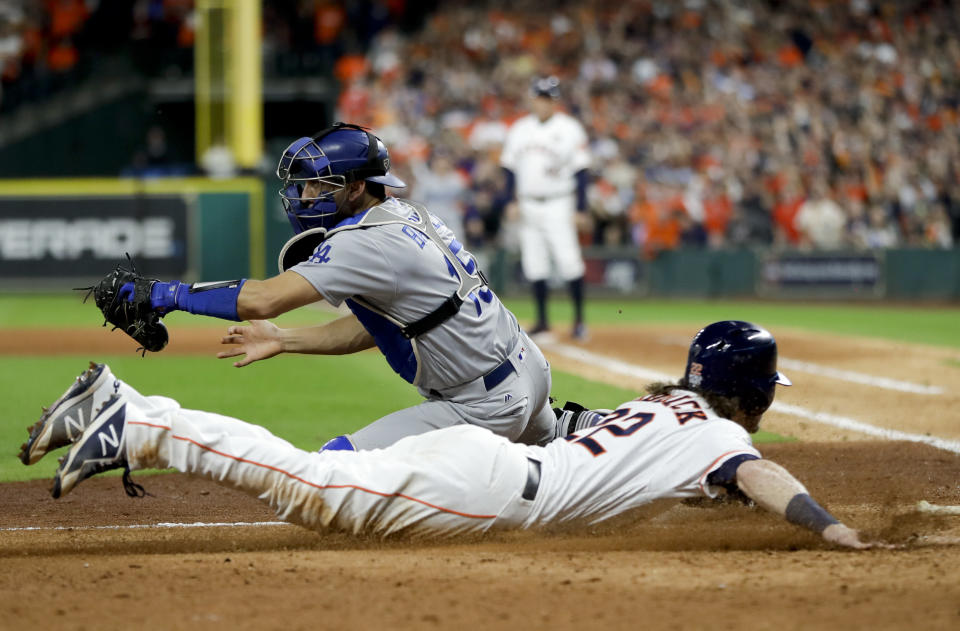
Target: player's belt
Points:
(496, 376)
(533, 479)
(490, 380)
(546, 198)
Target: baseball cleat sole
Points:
(64, 421)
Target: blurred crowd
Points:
(46, 45)
(806, 124)
(49, 45)
(815, 124)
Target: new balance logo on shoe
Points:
(74, 426)
(100, 448)
(112, 439)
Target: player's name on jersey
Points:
(684, 406)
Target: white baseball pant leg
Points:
(452, 481)
(548, 234)
(518, 408)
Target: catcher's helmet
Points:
(546, 86)
(342, 154)
(735, 359)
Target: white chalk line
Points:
(843, 375)
(924, 506)
(159, 525)
(825, 418)
(857, 377)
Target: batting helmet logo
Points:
(695, 374)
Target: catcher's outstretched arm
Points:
(264, 299)
(775, 489)
(263, 340)
(340, 337)
(243, 299)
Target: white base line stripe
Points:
(842, 422)
(163, 524)
(858, 377)
(926, 507)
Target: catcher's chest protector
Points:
(302, 245)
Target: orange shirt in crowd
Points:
(66, 17)
(328, 21)
(716, 214)
(62, 56)
(350, 67)
(784, 212)
(660, 220)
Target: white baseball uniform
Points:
(455, 480)
(544, 158)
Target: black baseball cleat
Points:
(64, 421)
(100, 448)
(573, 417)
(580, 333)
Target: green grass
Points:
(37, 311)
(304, 399)
(935, 325)
(308, 399)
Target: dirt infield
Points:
(81, 562)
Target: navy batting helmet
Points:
(735, 359)
(546, 86)
(342, 154)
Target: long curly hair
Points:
(727, 407)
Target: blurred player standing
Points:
(546, 159)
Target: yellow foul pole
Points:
(228, 79)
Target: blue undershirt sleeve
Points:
(726, 474)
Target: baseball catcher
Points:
(413, 290)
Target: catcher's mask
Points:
(735, 359)
(337, 156)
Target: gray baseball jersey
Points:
(401, 272)
(393, 274)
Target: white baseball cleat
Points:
(64, 421)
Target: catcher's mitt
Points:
(135, 316)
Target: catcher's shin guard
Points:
(340, 443)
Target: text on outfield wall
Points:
(35, 239)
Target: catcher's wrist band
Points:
(804, 511)
(217, 299)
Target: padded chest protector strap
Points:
(302, 245)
